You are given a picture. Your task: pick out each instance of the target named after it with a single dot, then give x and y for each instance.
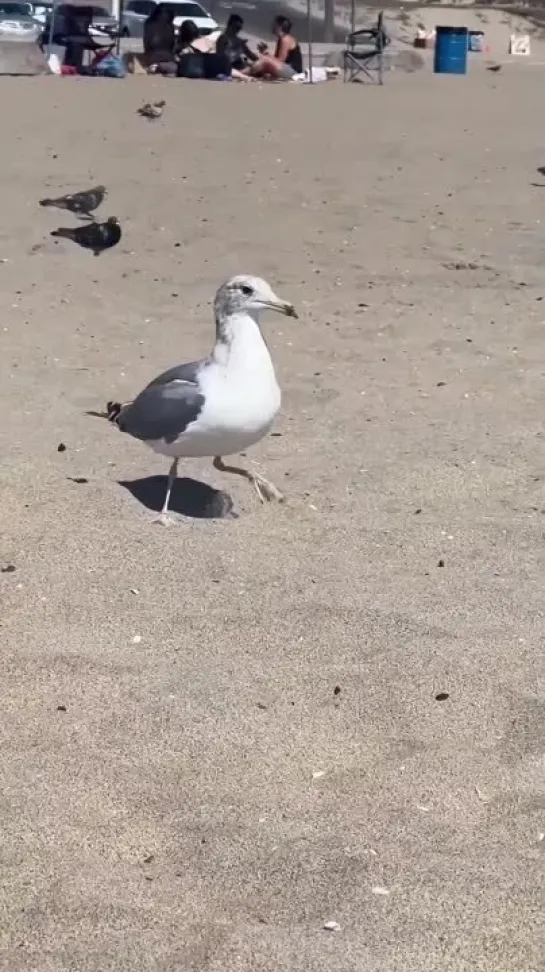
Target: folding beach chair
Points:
(363, 57)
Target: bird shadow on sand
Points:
(189, 497)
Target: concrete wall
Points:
(20, 57)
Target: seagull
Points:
(81, 203)
(494, 68)
(93, 236)
(219, 405)
(152, 110)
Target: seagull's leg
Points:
(263, 487)
(163, 517)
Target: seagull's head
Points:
(250, 294)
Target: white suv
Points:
(136, 12)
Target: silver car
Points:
(17, 21)
(103, 23)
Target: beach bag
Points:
(190, 65)
(216, 66)
(109, 66)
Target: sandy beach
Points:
(218, 737)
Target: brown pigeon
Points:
(152, 110)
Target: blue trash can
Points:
(451, 45)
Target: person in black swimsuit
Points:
(287, 47)
(287, 60)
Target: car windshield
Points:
(15, 9)
(188, 10)
(142, 7)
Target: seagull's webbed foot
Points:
(266, 490)
(164, 520)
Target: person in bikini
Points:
(287, 60)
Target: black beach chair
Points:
(69, 24)
(363, 57)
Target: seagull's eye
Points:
(247, 291)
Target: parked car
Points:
(136, 12)
(17, 21)
(41, 12)
(103, 24)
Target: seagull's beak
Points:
(289, 310)
(281, 307)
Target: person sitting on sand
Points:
(287, 60)
(159, 40)
(77, 26)
(234, 47)
(190, 39)
(193, 53)
(198, 58)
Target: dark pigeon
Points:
(93, 236)
(81, 203)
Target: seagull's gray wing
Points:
(165, 408)
(186, 372)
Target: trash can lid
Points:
(451, 30)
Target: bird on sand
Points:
(152, 110)
(93, 236)
(219, 405)
(81, 203)
(494, 68)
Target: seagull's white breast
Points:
(238, 411)
(242, 399)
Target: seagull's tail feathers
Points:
(65, 233)
(48, 202)
(114, 411)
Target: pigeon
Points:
(93, 236)
(219, 405)
(494, 67)
(81, 203)
(152, 110)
